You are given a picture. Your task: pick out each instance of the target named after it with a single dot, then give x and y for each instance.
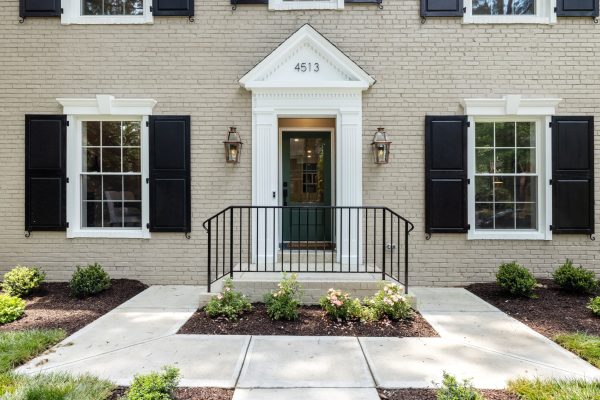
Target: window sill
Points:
(282, 5)
(508, 235)
(496, 19)
(108, 233)
(108, 20)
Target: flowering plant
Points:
(390, 302)
(339, 305)
(228, 303)
(283, 303)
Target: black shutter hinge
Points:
(67, 224)
(68, 123)
(550, 182)
(147, 180)
(551, 228)
(550, 124)
(62, 10)
(468, 181)
(555, 9)
(67, 180)
(148, 225)
(464, 9)
(468, 124)
(468, 227)
(147, 124)
(151, 9)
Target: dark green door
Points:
(306, 169)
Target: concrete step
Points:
(307, 394)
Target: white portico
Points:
(305, 77)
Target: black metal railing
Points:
(330, 239)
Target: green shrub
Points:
(90, 280)
(453, 390)
(11, 308)
(516, 280)
(57, 386)
(390, 302)
(340, 306)
(594, 305)
(154, 386)
(21, 281)
(229, 303)
(283, 303)
(575, 279)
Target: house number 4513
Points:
(307, 67)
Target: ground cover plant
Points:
(516, 279)
(229, 303)
(594, 305)
(283, 303)
(88, 281)
(11, 308)
(584, 345)
(154, 386)
(575, 279)
(56, 386)
(22, 281)
(452, 389)
(18, 347)
(552, 389)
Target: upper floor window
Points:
(509, 11)
(106, 12)
(503, 7)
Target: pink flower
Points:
(337, 303)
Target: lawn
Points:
(18, 347)
(555, 389)
(584, 345)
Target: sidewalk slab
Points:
(419, 362)
(203, 360)
(167, 297)
(307, 394)
(305, 361)
(440, 299)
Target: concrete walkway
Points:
(476, 341)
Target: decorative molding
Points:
(342, 72)
(106, 105)
(510, 105)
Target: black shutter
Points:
(573, 175)
(168, 8)
(39, 8)
(577, 8)
(442, 8)
(446, 174)
(170, 198)
(45, 172)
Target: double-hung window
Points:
(106, 12)
(510, 11)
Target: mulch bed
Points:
(554, 311)
(52, 306)
(312, 322)
(429, 394)
(188, 393)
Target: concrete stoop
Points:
(314, 285)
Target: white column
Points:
(265, 186)
(349, 185)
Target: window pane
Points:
(503, 7)
(505, 161)
(505, 216)
(91, 7)
(91, 187)
(526, 134)
(483, 188)
(526, 188)
(112, 188)
(484, 159)
(111, 160)
(134, 7)
(132, 185)
(131, 133)
(525, 160)
(112, 7)
(132, 214)
(484, 216)
(526, 216)
(111, 133)
(505, 134)
(484, 134)
(91, 214)
(504, 187)
(131, 160)
(91, 133)
(91, 160)
(113, 214)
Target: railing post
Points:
(383, 247)
(209, 253)
(406, 257)
(231, 243)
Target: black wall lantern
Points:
(233, 146)
(381, 147)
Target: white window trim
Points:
(103, 108)
(515, 108)
(306, 4)
(72, 15)
(544, 15)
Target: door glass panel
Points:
(307, 170)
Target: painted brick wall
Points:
(193, 68)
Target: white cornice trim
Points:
(510, 105)
(106, 105)
(254, 78)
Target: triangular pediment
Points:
(306, 60)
